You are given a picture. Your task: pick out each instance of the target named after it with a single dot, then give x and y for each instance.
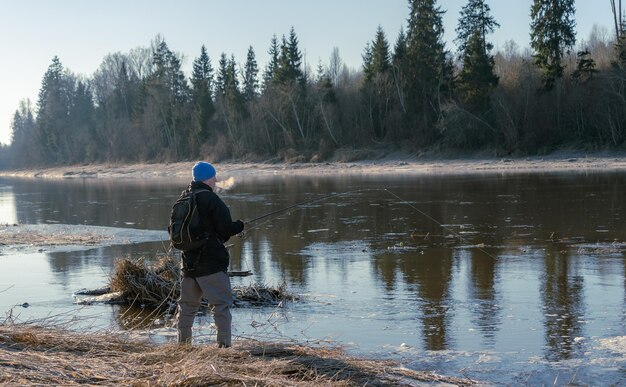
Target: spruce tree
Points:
(477, 77)
(289, 69)
(231, 85)
(250, 76)
(475, 18)
(165, 109)
(378, 58)
(552, 34)
(24, 130)
(399, 69)
(52, 117)
(229, 96)
(399, 49)
(295, 57)
(367, 57)
(272, 64)
(222, 76)
(82, 147)
(378, 83)
(585, 67)
(202, 94)
(425, 69)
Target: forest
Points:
(411, 94)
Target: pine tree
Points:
(426, 68)
(552, 34)
(202, 95)
(250, 76)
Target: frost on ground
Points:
(27, 238)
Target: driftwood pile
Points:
(157, 284)
(141, 282)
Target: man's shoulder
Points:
(206, 195)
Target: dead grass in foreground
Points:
(43, 356)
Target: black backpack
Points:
(185, 228)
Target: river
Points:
(508, 278)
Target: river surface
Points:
(515, 279)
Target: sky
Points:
(82, 32)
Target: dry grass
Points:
(42, 356)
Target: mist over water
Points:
(511, 279)
(227, 184)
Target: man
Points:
(204, 270)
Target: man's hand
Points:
(242, 224)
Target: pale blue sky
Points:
(82, 32)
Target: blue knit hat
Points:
(202, 171)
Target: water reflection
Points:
(7, 205)
(426, 261)
(483, 290)
(563, 298)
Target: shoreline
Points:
(397, 165)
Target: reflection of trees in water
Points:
(99, 260)
(96, 202)
(433, 277)
(429, 276)
(563, 305)
(483, 292)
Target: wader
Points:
(216, 289)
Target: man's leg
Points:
(188, 304)
(217, 290)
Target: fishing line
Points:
(311, 201)
(402, 200)
(436, 222)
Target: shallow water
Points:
(514, 279)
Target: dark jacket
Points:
(217, 227)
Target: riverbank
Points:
(397, 164)
(36, 355)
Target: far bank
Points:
(398, 165)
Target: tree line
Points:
(412, 94)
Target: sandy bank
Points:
(397, 165)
